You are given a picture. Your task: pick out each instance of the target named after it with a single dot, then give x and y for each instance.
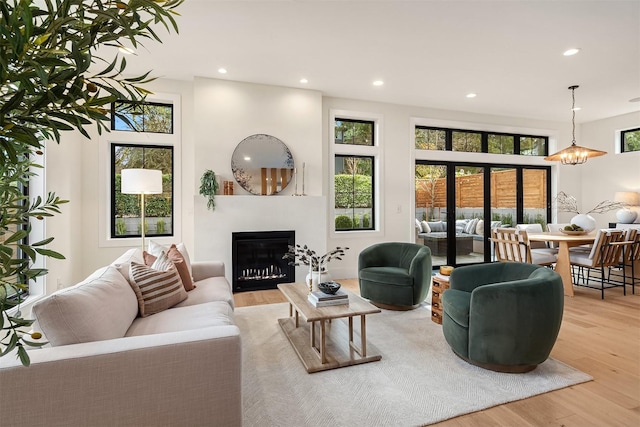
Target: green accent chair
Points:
(395, 275)
(503, 316)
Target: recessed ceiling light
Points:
(222, 70)
(571, 51)
(247, 158)
(378, 83)
(471, 95)
(304, 81)
(635, 99)
(576, 109)
(126, 50)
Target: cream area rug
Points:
(419, 380)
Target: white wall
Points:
(603, 176)
(218, 114)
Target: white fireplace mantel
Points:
(306, 215)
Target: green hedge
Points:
(353, 191)
(158, 205)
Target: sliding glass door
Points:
(457, 204)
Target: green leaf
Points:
(50, 253)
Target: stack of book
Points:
(320, 299)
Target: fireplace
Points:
(257, 259)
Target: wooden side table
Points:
(438, 286)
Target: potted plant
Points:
(567, 203)
(209, 188)
(48, 85)
(318, 264)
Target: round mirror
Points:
(262, 164)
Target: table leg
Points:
(323, 354)
(312, 335)
(363, 336)
(563, 268)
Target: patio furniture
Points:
(512, 245)
(437, 242)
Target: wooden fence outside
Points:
(470, 190)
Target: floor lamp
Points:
(141, 181)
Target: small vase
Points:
(317, 277)
(586, 222)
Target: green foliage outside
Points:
(121, 227)
(156, 205)
(505, 219)
(354, 133)
(366, 221)
(353, 191)
(145, 117)
(632, 140)
(161, 226)
(47, 48)
(343, 222)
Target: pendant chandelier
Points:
(574, 154)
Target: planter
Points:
(586, 222)
(317, 277)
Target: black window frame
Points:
(622, 140)
(484, 135)
(112, 178)
(369, 122)
(114, 115)
(372, 224)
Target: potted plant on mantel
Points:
(47, 49)
(318, 268)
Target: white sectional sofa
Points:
(106, 366)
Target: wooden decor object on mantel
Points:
(439, 285)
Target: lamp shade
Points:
(141, 181)
(627, 198)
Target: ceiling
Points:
(428, 53)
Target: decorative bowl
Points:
(574, 233)
(446, 270)
(329, 287)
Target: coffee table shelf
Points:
(324, 337)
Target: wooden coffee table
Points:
(320, 343)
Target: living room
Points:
(214, 112)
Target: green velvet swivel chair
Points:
(395, 275)
(503, 316)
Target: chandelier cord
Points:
(573, 110)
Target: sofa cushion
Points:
(156, 290)
(424, 225)
(99, 308)
(155, 249)
(470, 228)
(480, 227)
(437, 226)
(210, 289)
(178, 260)
(388, 275)
(215, 313)
(123, 262)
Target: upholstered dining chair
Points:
(395, 275)
(512, 245)
(606, 253)
(503, 316)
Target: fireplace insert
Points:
(257, 262)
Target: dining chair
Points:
(537, 247)
(606, 253)
(629, 257)
(512, 245)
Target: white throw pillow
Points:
(156, 249)
(418, 226)
(99, 308)
(480, 227)
(425, 227)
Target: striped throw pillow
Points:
(156, 290)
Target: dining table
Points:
(564, 241)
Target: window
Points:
(355, 169)
(354, 132)
(142, 117)
(9, 230)
(501, 144)
(125, 209)
(354, 193)
(467, 141)
(430, 139)
(630, 140)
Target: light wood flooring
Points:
(601, 338)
